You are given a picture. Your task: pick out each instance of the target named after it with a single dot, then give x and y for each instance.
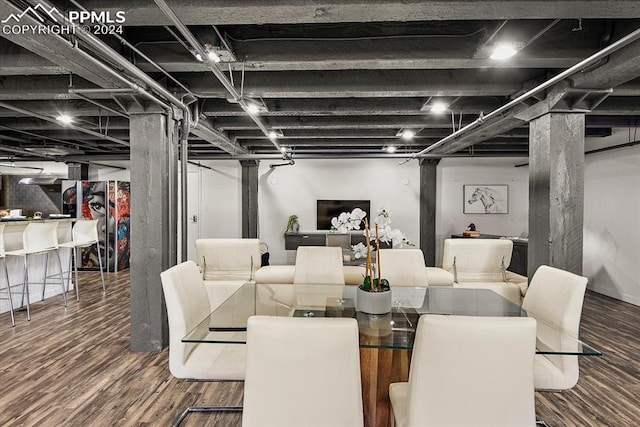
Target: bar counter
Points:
(13, 241)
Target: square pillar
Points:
(428, 209)
(250, 198)
(154, 207)
(556, 191)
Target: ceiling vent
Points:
(54, 150)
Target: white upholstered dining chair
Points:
(403, 267)
(468, 371)
(187, 305)
(555, 299)
(318, 264)
(302, 372)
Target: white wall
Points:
(294, 189)
(454, 173)
(611, 223)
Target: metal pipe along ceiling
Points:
(568, 72)
(214, 69)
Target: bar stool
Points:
(39, 239)
(6, 274)
(85, 234)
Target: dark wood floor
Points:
(74, 368)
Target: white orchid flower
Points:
(383, 217)
(358, 213)
(359, 250)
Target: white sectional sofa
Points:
(226, 264)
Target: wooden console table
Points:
(317, 238)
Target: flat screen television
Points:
(327, 209)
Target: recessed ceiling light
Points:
(408, 134)
(273, 135)
(503, 51)
(252, 108)
(213, 56)
(65, 119)
(391, 149)
(439, 107)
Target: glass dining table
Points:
(383, 337)
(393, 330)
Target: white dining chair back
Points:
(469, 371)
(187, 305)
(403, 267)
(555, 299)
(85, 232)
(318, 265)
(302, 372)
(40, 237)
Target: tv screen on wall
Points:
(327, 209)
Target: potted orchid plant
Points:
(379, 300)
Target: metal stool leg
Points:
(46, 267)
(6, 275)
(25, 287)
(64, 292)
(100, 262)
(75, 271)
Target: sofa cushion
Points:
(283, 274)
(353, 274)
(438, 277)
(521, 281)
(275, 274)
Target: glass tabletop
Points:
(394, 330)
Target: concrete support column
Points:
(428, 209)
(556, 191)
(154, 207)
(250, 198)
(78, 171)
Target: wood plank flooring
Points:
(73, 367)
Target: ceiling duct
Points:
(42, 180)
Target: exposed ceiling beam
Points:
(367, 83)
(382, 53)
(33, 124)
(232, 12)
(69, 126)
(621, 67)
